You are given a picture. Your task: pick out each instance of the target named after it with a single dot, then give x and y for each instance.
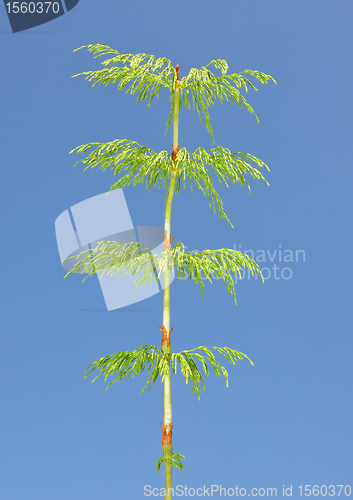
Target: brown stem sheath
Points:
(177, 72)
(165, 335)
(167, 242)
(167, 434)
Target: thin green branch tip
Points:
(174, 461)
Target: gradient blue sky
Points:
(285, 421)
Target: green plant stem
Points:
(168, 450)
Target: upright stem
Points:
(167, 445)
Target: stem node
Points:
(167, 242)
(177, 73)
(167, 435)
(175, 152)
(166, 345)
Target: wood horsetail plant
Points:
(144, 75)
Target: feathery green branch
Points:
(190, 370)
(202, 88)
(221, 263)
(112, 257)
(127, 363)
(227, 166)
(145, 73)
(143, 164)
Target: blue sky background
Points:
(288, 419)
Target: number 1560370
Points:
(332, 490)
(32, 7)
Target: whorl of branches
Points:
(135, 260)
(144, 75)
(148, 357)
(154, 169)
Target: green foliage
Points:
(174, 461)
(227, 166)
(154, 169)
(202, 88)
(190, 370)
(145, 73)
(198, 90)
(115, 258)
(133, 259)
(127, 363)
(221, 263)
(143, 164)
